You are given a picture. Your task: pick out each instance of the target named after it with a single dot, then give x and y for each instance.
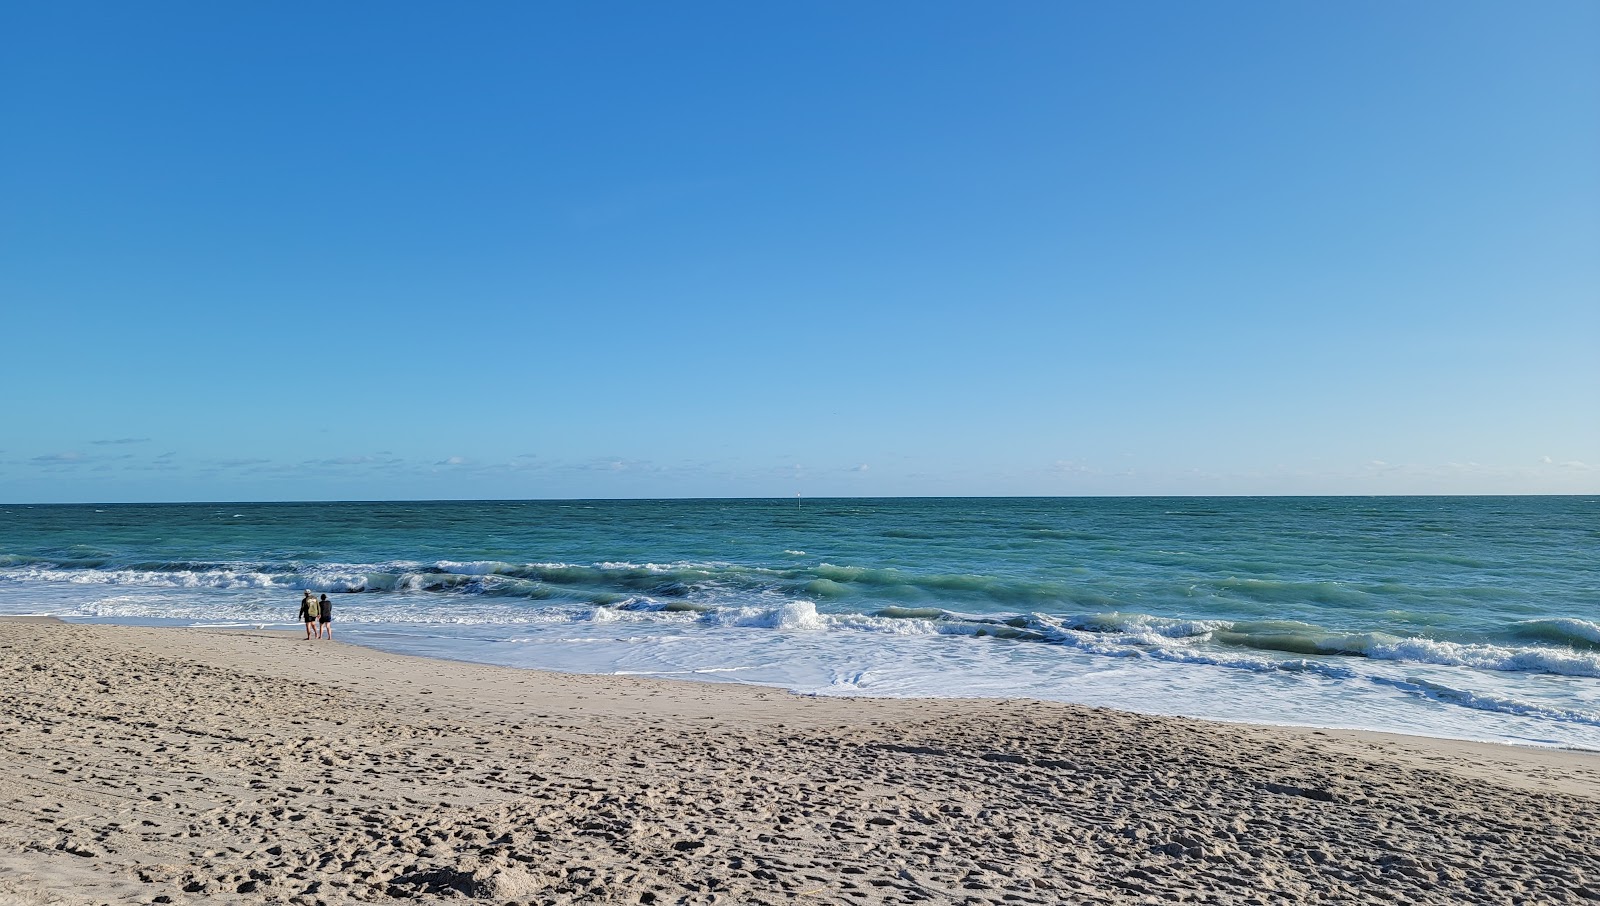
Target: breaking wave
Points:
(824, 597)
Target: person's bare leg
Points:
(328, 628)
(308, 631)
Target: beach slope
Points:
(172, 766)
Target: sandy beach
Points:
(185, 766)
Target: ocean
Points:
(1460, 617)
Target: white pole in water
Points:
(797, 500)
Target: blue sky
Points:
(306, 251)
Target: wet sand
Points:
(187, 766)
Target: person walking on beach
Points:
(325, 618)
(308, 613)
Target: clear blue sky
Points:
(353, 250)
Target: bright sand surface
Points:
(192, 765)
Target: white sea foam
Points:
(1111, 634)
(472, 568)
(1489, 701)
(1489, 657)
(794, 615)
(329, 578)
(183, 578)
(1149, 628)
(1161, 667)
(699, 627)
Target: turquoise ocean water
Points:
(1454, 616)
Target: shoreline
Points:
(290, 629)
(1421, 744)
(251, 766)
(1349, 734)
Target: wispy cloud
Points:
(74, 459)
(526, 462)
(241, 463)
(357, 463)
(613, 464)
(793, 472)
(156, 465)
(120, 440)
(1079, 468)
(1573, 465)
(342, 461)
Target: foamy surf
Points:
(593, 590)
(1224, 611)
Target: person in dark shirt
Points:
(325, 618)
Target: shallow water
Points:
(1464, 617)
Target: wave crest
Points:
(736, 595)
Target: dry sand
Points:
(188, 766)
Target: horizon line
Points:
(784, 498)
